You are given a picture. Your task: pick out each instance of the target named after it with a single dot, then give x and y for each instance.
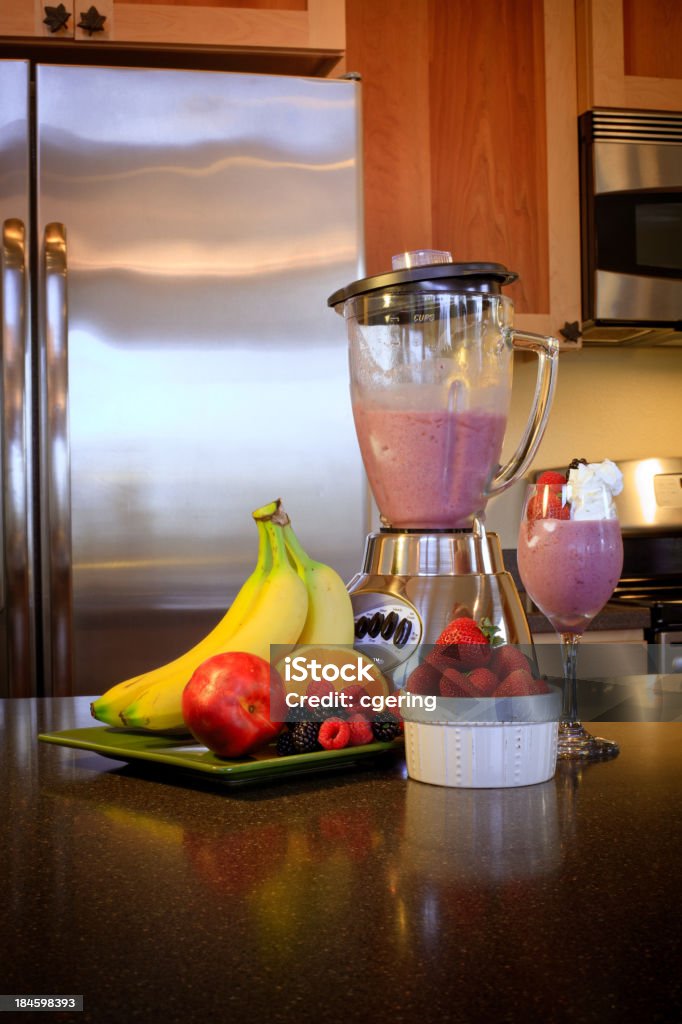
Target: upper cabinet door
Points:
(299, 24)
(471, 140)
(629, 54)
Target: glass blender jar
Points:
(431, 358)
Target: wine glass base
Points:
(577, 744)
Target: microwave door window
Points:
(658, 235)
(640, 233)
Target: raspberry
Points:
(305, 736)
(550, 477)
(334, 734)
(518, 683)
(320, 688)
(483, 681)
(360, 731)
(455, 684)
(353, 694)
(285, 744)
(424, 680)
(505, 659)
(386, 730)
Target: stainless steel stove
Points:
(650, 512)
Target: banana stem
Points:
(267, 511)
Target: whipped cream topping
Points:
(592, 488)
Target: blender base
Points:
(414, 583)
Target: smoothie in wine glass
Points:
(570, 557)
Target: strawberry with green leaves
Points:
(468, 642)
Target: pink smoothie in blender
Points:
(428, 468)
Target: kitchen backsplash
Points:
(608, 404)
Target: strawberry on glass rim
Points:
(548, 502)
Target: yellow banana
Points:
(108, 707)
(330, 612)
(276, 618)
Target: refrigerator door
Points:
(17, 604)
(205, 218)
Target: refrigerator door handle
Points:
(57, 469)
(14, 549)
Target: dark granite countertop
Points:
(357, 896)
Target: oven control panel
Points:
(668, 490)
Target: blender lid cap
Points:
(430, 277)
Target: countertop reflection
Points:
(346, 896)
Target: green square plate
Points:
(188, 755)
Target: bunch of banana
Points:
(109, 706)
(287, 599)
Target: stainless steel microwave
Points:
(631, 227)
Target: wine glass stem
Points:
(569, 657)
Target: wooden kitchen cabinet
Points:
(471, 141)
(305, 26)
(629, 54)
(272, 24)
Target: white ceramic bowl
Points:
(481, 755)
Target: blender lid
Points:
(436, 276)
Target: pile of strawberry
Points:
(468, 662)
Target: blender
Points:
(431, 357)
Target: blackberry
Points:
(304, 735)
(385, 729)
(285, 744)
(303, 713)
(342, 713)
(297, 714)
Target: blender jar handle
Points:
(547, 351)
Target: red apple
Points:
(226, 703)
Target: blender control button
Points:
(375, 624)
(361, 627)
(402, 633)
(389, 625)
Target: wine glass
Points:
(570, 557)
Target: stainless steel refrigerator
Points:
(168, 359)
